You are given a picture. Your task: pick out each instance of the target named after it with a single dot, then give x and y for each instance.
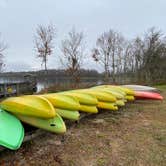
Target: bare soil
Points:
(134, 135)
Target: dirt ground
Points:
(135, 135)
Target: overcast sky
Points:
(19, 19)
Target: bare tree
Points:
(145, 56)
(154, 53)
(128, 58)
(3, 47)
(44, 42)
(133, 58)
(73, 53)
(109, 47)
(102, 54)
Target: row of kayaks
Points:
(48, 111)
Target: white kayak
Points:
(141, 88)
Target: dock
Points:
(28, 86)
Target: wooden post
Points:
(5, 90)
(17, 88)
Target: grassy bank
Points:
(161, 87)
(134, 135)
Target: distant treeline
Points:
(52, 74)
(139, 60)
(58, 75)
(142, 59)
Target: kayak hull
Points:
(55, 125)
(141, 88)
(85, 99)
(88, 109)
(11, 131)
(29, 105)
(114, 93)
(120, 103)
(129, 98)
(63, 101)
(68, 114)
(101, 96)
(147, 95)
(107, 106)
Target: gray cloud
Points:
(18, 66)
(3, 4)
(19, 19)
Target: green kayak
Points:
(68, 114)
(11, 131)
(55, 124)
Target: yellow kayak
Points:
(120, 103)
(55, 124)
(113, 92)
(127, 93)
(85, 99)
(88, 109)
(107, 106)
(113, 89)
(63, 101)
(101, 96)
(130, 98)
(68, 114)
(120, 97)
(87, 102)
(29, 105)
(126, 90)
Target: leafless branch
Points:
(73, 53)
(44, 42)
(3, 47)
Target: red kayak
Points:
(148, 95)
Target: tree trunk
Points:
(46, 72)
(113, 67)
(106, 75)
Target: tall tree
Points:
(138, 54)
(133, 57)
(44, 42)
(108, 50)
(73, 52)
(3, 47)
(128, 58)
(154, 52)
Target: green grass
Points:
(161, 87)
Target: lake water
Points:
(42, 84)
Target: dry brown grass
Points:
(135, 135)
